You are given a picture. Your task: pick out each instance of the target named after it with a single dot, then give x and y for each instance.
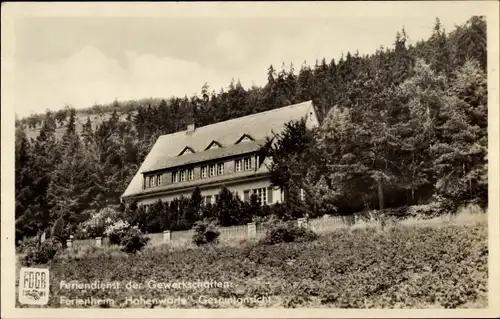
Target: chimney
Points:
(190, 128)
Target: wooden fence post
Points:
(167, 236)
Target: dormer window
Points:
(213, 144)
(151, 181)
(187, 150)
(244, 138)
(175, 177)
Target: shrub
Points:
(43, 253)
(205, 232)
(133, 240)
(28, 243)
(438, 207)
(116, 232)
(97, 224)
(286, 233)
(303, 234)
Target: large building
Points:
(214, 156)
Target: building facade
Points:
(224, 154)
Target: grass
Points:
(438, 263)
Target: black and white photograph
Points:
(250, 157)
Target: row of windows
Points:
(206, 171)
(213, 199)
(212, 170)
(261, 193)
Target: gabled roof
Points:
(165, 151)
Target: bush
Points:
(286, 233)
(205, 232)
(303, 234)
(116, 232)
(42, 254)
(97, 223)
(28, 243)
(438, 207)
(133, 240)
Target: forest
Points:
(406, 125)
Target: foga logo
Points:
(34, 286)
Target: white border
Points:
(11, 11)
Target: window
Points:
(235, 194)
(261, 194)
(204, 172)
(151, 181)
(248, 163)
(216, 197)
(183, 175)
(302, 194)
(175, 177)
(207, 200)
(212, 170)
(220, 168)
(238, 165)
(158, 180)
(191, 174)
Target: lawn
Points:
(433, 264)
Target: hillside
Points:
(80, 119)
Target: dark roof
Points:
(165, 152)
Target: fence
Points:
(232, 233)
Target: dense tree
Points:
(460, 153)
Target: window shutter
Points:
(270, 195)
(246, 195)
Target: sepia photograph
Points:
(249, 157)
